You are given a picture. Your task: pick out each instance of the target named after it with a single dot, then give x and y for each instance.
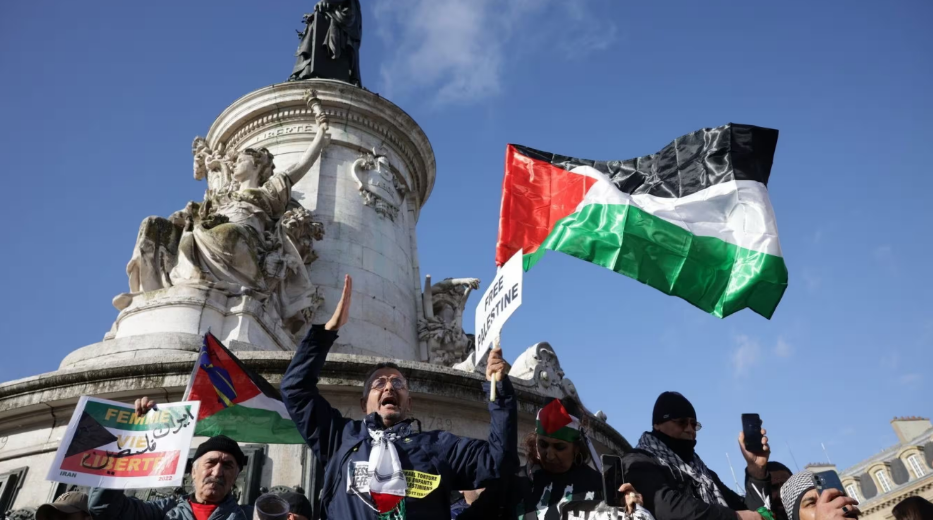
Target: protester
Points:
(217, 462)
(389, 441)
(557, 471)
(299, 507)
(70, 506)
(676, 483)
(802, 500)
(913, 508)
(779, 475)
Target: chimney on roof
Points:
(908, 428)
(817, 467)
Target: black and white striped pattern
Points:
(793, 490)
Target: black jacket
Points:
(439, 461)
(670, 496)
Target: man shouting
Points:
(385, 467)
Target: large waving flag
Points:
(693, 220)
(237, 402)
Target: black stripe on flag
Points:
(689, 164)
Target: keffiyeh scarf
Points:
(695, 469)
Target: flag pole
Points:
(495, 376)
(197, 364)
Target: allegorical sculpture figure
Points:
(442, 325)
(330, 43)
(248, 236)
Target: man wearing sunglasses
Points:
(674, 481)
(384, 466)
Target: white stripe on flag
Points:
(264, 402)
(737, 212)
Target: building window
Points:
(10, 483)
(883, 481)
(852, 491)
(916, 465)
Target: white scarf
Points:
(695, 469)
(387, 484)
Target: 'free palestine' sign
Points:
(500, 300)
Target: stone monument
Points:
(306, 181)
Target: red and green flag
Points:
(555, 422)
(237, 402)
(693, 220)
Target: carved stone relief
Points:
(378, 186)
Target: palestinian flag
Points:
(555, 422)
(237, 402)
(693, 220)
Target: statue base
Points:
(194, 309)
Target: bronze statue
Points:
(330, 43)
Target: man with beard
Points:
(674, 481)
(384, 466)
(217, 462)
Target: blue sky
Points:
(100, 101)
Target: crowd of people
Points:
(386, 467)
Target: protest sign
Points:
(107, 445)
(500, 300)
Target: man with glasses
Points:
(385, 467)
(674, 481)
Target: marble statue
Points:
(247, 237)
(442, 325)
(334, 52)
(378, 186)
(537, 369)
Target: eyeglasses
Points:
(683, 423)
(397, 383)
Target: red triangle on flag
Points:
(220, 380)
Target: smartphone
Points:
(751, 426)
(829, 480)
(612, 480)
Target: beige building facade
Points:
(906, 469)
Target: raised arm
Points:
(318, 422)
(298, 170)
(476, 463)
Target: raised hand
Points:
(834, 505)
(632, 497)
(342, 313)
(757, 462)
(495, 365)
(143, 405)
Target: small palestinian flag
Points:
(237, 402)
(555, 422)
(693, 220)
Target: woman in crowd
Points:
(803, 501)
(557, 472)
(913, 508)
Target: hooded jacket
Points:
(670, 495)
(436, 462)
(113, 504)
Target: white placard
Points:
(107, 445)
(500, 300)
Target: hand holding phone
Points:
(754, 445)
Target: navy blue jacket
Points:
(447, 462)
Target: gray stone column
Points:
(375, 246)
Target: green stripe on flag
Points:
(716, 276)
(244, 424)
(565, 433)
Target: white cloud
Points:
(910, 379)
(457, 49)
(747, 354)
(783, 349)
